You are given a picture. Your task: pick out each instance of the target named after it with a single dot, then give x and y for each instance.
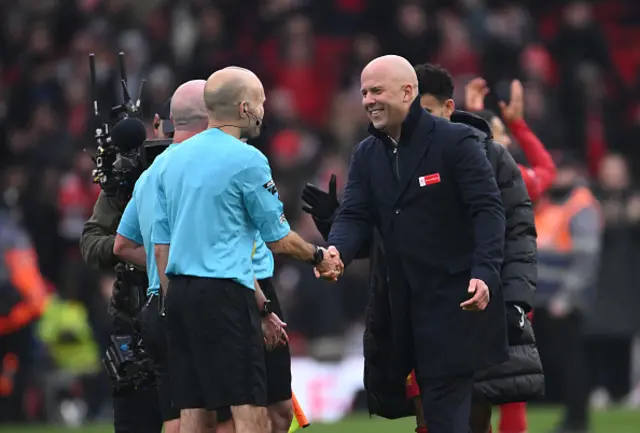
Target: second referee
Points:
(213, 199)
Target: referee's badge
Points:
(283, 219)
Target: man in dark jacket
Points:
(519, 378)
(442, 223)
(134, 409)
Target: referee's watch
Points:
(266, 309)
(318, 256)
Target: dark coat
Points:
(442, 222)
(518, 379)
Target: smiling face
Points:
(386, 95)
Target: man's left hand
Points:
(273, 330)
(480, 298)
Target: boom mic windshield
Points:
(128, 134)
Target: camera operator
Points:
(135, 404)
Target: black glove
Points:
(321, 205)
(516, 320)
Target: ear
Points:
(449, 107)
(243, 108)
(409, 91)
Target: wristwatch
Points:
(318, 256)
(266, 309)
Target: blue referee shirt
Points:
(263, 263)
(137, 220)
(212, 200)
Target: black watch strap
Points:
(266, 309)
(318, 256)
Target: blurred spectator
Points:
(614, 320)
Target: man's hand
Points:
(331, 267)
(474, 93)
(320, 204)
(273, 331)
(480, 298)
(515, 110)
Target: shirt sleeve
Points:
(261, 200)
(130, 224)
(160, 231)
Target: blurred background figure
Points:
(579, 65)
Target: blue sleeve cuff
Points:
(277, 232)
(130, 233)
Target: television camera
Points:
(119, 139)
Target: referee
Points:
(212, 200)
(189, 116)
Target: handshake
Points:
(331, 267)
(322, 206)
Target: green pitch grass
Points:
(540, 421)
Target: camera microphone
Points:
(128, 134)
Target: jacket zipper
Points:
(396, 158)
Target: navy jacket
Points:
(438, 209)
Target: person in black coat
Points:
(521, 377)
(426, 185)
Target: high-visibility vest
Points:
(555, 244)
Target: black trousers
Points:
(137, 411)
(446, 403)
(561, 342)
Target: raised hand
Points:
(515, 110)
(480, 299)
(321, 204)
(331, 267)
(474, 94)
(273, 331)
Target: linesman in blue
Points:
(212, 201)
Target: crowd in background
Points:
(579, 63)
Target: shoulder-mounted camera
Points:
(119, 138)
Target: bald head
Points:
(392, 68)
(188, 110)
(389, 85)
(227, 88)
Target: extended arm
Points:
(353, 225)
(265, 209)
(479, 191)
(542, 172)
(128, 244)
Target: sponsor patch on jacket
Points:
(429, 179)
(271, 187)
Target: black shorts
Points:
(216, 349)
(155, 340)
(136, 410)
(278, 361)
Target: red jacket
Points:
(542, 172)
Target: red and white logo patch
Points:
(429, 179)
